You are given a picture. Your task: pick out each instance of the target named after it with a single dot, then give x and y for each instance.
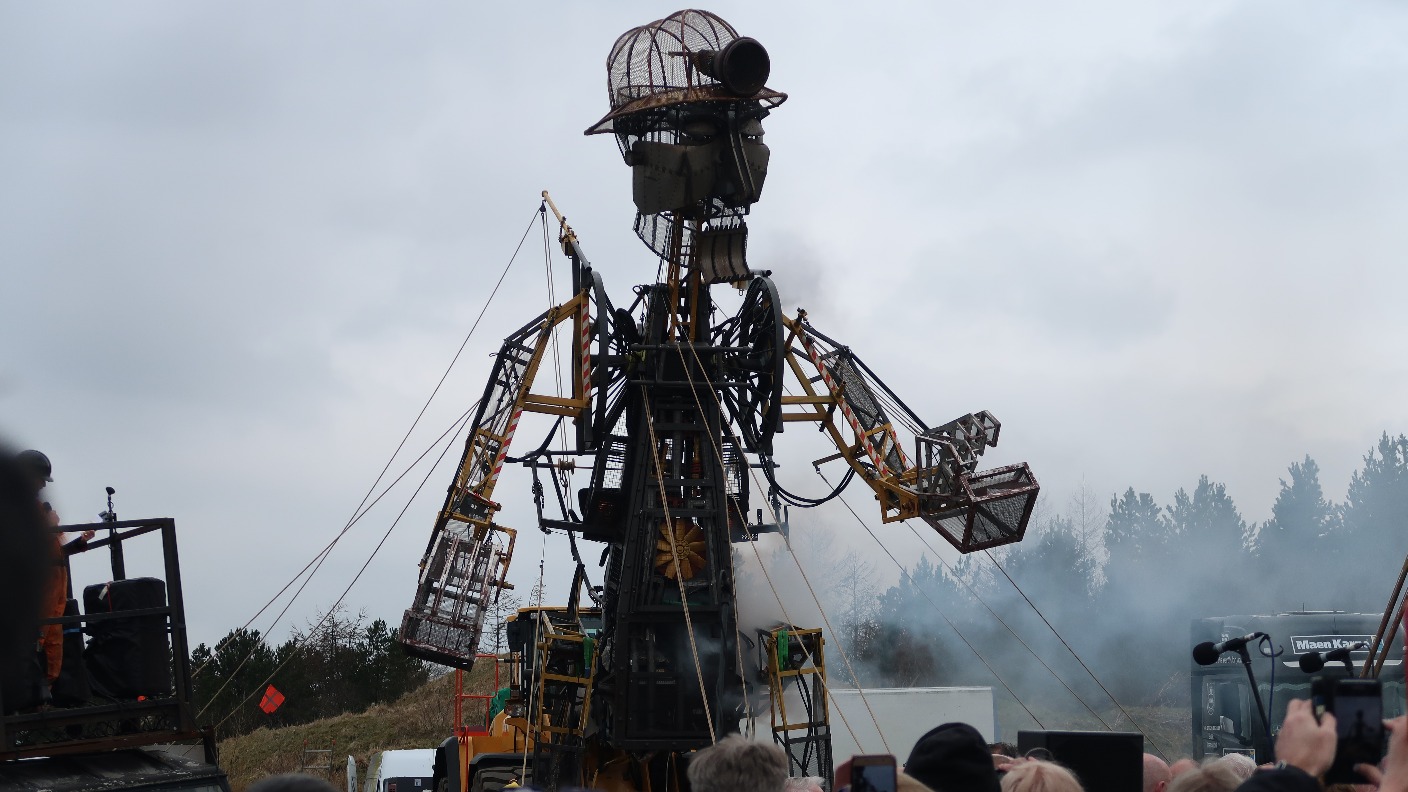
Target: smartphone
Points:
(1358, 707)
(873, 773)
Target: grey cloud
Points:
(240, 241)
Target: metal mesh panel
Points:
(492, 425)
(447, 618)
(651, 59)
(952, 525)
(993, 523)
(949, 452)
(993, 510)
(810, 755)
(863, 403)
(735, 468)
(614, 463)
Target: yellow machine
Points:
(493, 734)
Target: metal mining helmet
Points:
(688, 96)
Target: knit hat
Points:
(953, 758)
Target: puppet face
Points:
(698, 160)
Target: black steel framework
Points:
(112, 724)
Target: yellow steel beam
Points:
(808, 400)
(555, 401)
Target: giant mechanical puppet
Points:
(671, 410)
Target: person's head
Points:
(1241, 764)
(1156, 774)
(953, 758)
(904, 782)
(1182, 766)
(735, 764)
(806, 784)
(36, 466)
(1039, 776)
(1216, 776)
(1003, 749)
(292, 782)
(24, 569)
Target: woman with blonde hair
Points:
(1216, 776)
(1038, 776)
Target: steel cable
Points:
(1059, 637)
(359, 511)
(675, 556)
(327, 551)
(312, 632)
(719, 456)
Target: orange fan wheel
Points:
(689, 544)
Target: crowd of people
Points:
(955, 758)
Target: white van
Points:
(401, 771)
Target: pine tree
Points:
(913, 645)
(1295, 554)
(229, 674)
(1136, 536)
(1374, 523)
(853, 589)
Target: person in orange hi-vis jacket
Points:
(55, 595)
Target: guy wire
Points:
(719, 454)
(299, 645)
(1059, 637)
(357, 512)
(955, 629)
(743, 521)
(320, 558)
(675, 555)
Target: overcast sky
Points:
(242, 241)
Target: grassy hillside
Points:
(420, 719)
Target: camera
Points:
(1358, 707)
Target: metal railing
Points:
(107, 722)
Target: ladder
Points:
(317, 760)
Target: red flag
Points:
(271, 701)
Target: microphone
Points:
(1310, 662)
(1207, 652)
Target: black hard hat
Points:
(36, 462)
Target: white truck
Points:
(396, 771)
(903, 714)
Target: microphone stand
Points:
(1262, 746)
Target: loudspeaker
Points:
(1103, 761)
(131, 657)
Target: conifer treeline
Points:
(345, 666)
(1122, 584)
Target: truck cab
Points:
(410, 770)
(1225, 718)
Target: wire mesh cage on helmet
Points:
(659, 76)
(658, 65)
